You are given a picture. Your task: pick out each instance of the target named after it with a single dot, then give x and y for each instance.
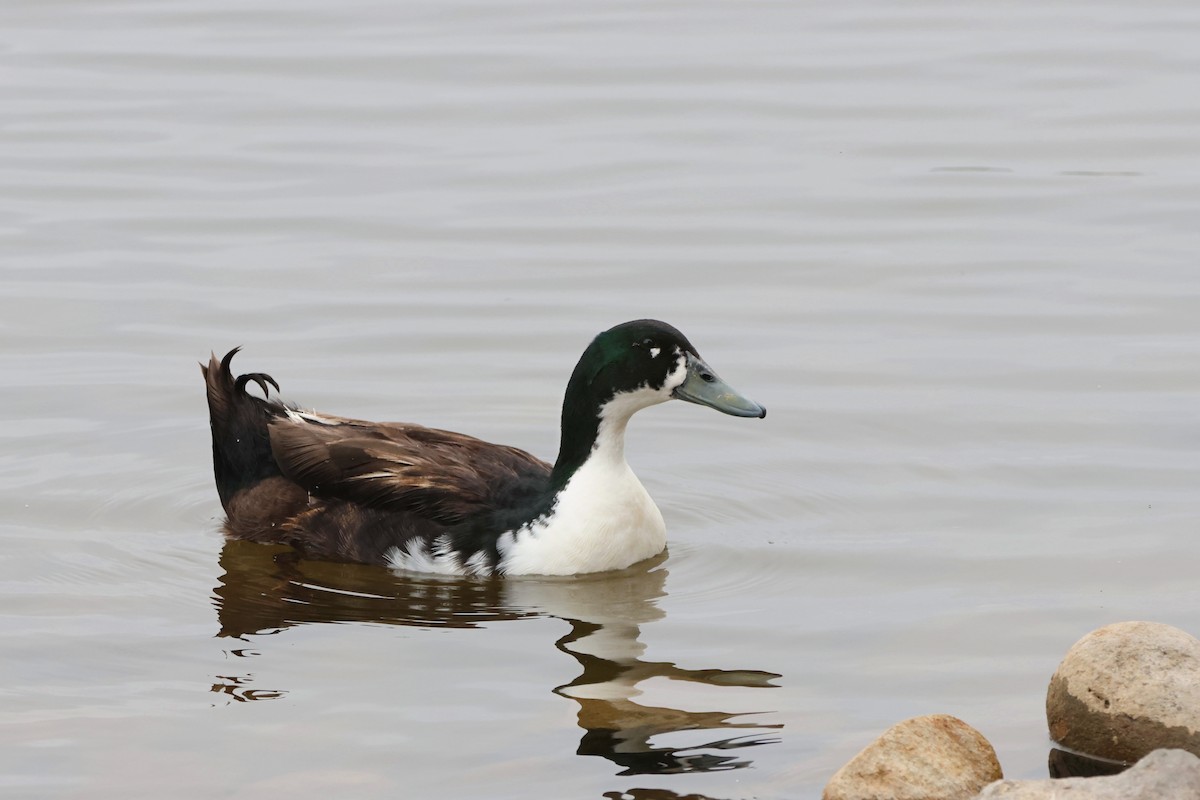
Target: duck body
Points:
(427, 500)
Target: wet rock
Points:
(1068, 764)
(938, 757)
(1162, 775)
(1127, 689)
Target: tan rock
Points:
(938, 757)
(1127, 689)
(1162, 775)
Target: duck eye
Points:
(647, 342)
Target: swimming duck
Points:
(426, 500)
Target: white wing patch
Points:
(478, 564)
(418, 556)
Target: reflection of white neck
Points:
(618, 643)
(606, 612)
(617, 603)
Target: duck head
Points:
(645, 362)
(629, 367)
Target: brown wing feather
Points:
(439, 474)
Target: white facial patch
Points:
(616, 412)
(654, 351)
(678, 375)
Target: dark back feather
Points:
(440, 475)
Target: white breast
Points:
(604, 519)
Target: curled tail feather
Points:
(242, 454)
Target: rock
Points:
(1069, 764)
(938, 757)
(1127, 689)
(1162, 775)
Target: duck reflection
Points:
(265, 590)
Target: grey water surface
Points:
(954, 248)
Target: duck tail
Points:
(241, 443)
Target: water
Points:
(951, 247)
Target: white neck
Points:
(603, 519)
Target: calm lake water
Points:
(951, 246)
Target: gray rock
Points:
(1127, 689)
(1162, 775)
(938, 757)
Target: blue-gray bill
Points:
(705, 387)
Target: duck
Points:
(423, 500)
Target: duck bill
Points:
(705, 387)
